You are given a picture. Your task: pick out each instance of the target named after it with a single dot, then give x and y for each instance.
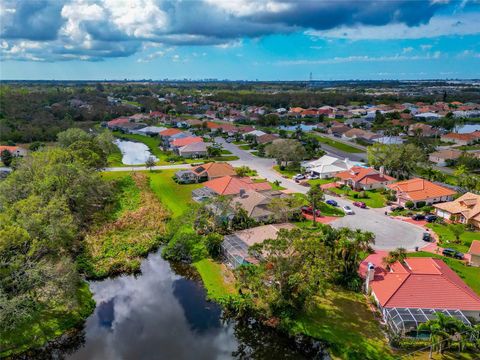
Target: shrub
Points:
(362, 195)
(421, 204)
(409, 204)
(355, 196)
(185, 246)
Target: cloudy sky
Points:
(239, 39)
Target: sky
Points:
(239, 39)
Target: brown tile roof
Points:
(468, 205)
(170, 132)
(420, 189)
(364, 175)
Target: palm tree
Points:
(399, 254)
(315, 196)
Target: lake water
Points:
(134, 153)
(161, 314)
(467, 128)
(303, 127)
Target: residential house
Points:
(328, 166)
(413, 291)
(474, 252)
(229, 185)
(465, 210)
(130, 127)
(338, 130)
(441, 157)
(256, 203)
(360, 178)
(420, 129)
(113, 124)
(254, 133)
(14, 150)
(150, 130)
(179, 142)
(167, 135)
(461, 139)
(205, 172)
(426, 116)
(235, 246)
(267, 138)
(360, 134)
(194, 150)
(421, 191)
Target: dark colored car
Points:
(418, 217)
(427, 237)
(331, 202)
(430, 218)
(394, 208)
(360, 204)
(452, 253)
(308, 210)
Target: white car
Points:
(348, 210)
(299, 177)
(313, 177)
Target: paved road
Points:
(389, 233)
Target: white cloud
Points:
(230, 44)
(407, 49)
(464, 24)
(249, 7)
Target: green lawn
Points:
(274, 186)
(254, 153)
(115, 158)
(239, 142)
(176, 197)
(329, 210)
(321, 181)
(245, 147)
(343, 319)
(286, 172)
(469, 274)
(374, 199)
(447, 239)
(217, 279)
(338, 145)
(226, 152)
(47, 324)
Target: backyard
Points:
(344, 320)
(217, 278)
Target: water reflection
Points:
(133, 153)
(162, 315)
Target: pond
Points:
(163, 314)
(134, 153)
(303, 127)
(467, 128)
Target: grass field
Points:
(176, 197)
(447, 239)
(321, 181)
(343, 319)
(217, 278)
(286, 172)
(245, 147)
(374, 199)
(469, 274)
(338, 145)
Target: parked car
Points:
(229, 140)
(348, 210)
(308, 210)
(332, 202)
(430, 218)
(452, 253)
(360, 204)
(396, 208)
(418, 217)
(313, 177)
(299, 177)
(427, 237)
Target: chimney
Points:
(369, 276)
(242, 193)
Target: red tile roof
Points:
(169, 132)
(423, 283)
(118, 121)
(186, 141)
(474, 248)
(420, 189)
(364, 175)
(11, 149)
(212, 125)
(231, 185)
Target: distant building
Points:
(328, 166)
(442, 156)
